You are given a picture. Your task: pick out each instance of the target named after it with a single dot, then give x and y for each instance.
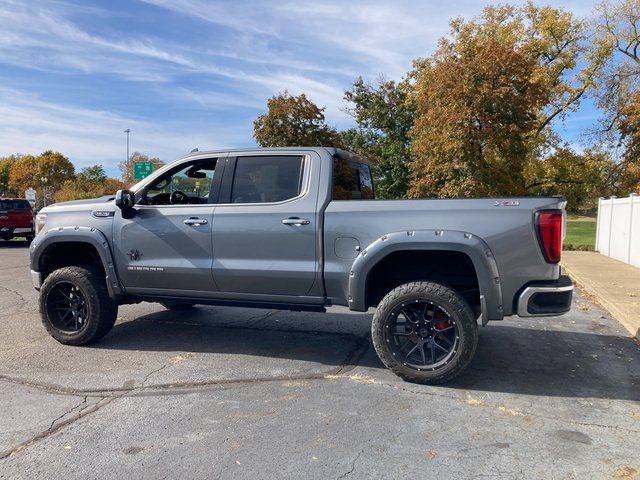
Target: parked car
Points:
(17, 219)
(299, 229)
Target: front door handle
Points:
(195, 221)
(296, 222)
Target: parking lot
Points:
(241, 393)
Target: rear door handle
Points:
(296, 222)
(195, 221)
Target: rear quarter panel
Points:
(508, 231)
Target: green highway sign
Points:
(142, 169)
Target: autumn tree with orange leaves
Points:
(487, 97)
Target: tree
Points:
(56, 168)
(126, 166)
(27, 171)
(24, 174)
(91, 175)
(628, 180)
(486, 99)
(293, 121)
(384, 114)
(580, 178)
(5, 168)
(89, 183)
(617, 35)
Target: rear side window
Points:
(266, 179)
(14, 205)
(351, 180)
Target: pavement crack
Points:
(353, 465)
(15, 292)
(55, 427)
(151, 373)
(79, 405)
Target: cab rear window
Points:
(351, 180)
(6, 205)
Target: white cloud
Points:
(249, 50)
(32, 125)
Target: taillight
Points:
(549, 225)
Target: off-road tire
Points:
(177, 305)
(101, 309)
(455, 305)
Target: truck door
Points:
(167, 243)
(265, 237)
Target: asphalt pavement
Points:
(242, 393)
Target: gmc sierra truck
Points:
(300, 229)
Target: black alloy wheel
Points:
(67, 307)
(425, 332)
(422, 334)
(75, 306)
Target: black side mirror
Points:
(125, 200)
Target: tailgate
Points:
(16, 219)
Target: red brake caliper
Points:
(441, 325)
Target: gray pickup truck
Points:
(299, 229)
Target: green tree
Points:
(384, 114)
(486, 99)
(293, 121)
(89, 177)
(580, 178)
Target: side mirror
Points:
(125, 200)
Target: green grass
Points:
(581, 233)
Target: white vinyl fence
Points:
(618, 228)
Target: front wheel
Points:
(75, 306)
(424, 332)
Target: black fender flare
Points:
(449, 240)
(89, 235)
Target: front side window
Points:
(266, 179)
(189, 184)
(351, 180)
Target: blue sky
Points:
(189, 73)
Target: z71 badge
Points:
(506, 203)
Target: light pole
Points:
(127, 131)
(44, 181)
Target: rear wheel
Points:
(75, 306)
(177, 305)
(425, 332)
